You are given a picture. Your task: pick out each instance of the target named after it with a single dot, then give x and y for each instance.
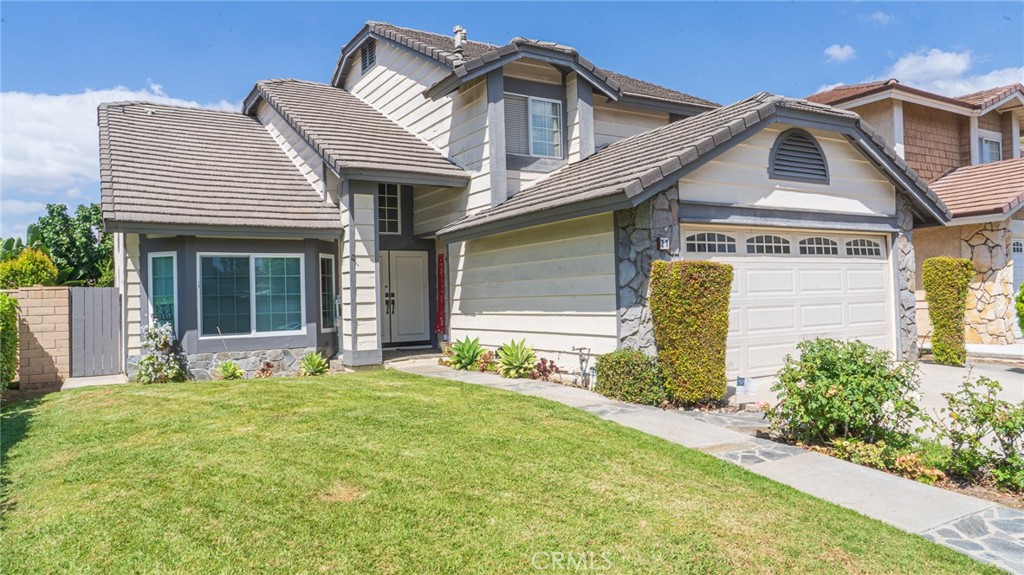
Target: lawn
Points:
(384, 472)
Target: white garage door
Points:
(793, 285)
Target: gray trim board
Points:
(536, 89)
(704, 213)
(240, 231)
(585, 115)
(533, 163)
(397, 177)
(496, 135)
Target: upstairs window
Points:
(990, 150)
(368, 55)
(533, 126)
(797, 156)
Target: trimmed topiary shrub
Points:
(690, 308)
(31, 267)
(946, 281)
(8, 340)
(1020, 308)
(630, 375)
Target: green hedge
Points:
(690, 308)
(8, 340)
(1020, 308)
(946, 281)
(630, 375)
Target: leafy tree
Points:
(77, 245)
(31, 267)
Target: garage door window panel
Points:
(861, 247)
(818, 246)
(767, 244)
(711, 243)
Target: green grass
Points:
(391, 473)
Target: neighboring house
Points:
(968, 150)
(548, 184)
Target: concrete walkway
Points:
(981, 529)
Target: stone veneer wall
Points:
(990, 314)
(636, 247)
(203, 366)
(906, 281)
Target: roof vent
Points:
(797, 156)
(459, 39)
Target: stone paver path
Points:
(981, 529)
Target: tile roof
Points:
(636, 163)
(977, 100)
(349, 133)
(173, 165)
(441, 48)
(986, 98)
(995, 188)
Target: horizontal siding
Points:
(740, 177)
(434, 208)
(520, 179)
(133, 294)
(305, 158)
(455, 124)
(612, 123)
(534, 71)
(359, 270)
(553, 285)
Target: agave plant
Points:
(465, 353)
(313, 364)
(230, 370)
(516, 359)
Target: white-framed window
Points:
(244, 295)
(328, 293)
(533, 126)
(863, 247)
(389, 213)
(767, 244)
(163, 289)
(818, 246)
(367, 55)
(710, 242)
(1017, 247)
(991, 150)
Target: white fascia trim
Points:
(1012, 96)
(964, 110)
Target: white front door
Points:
(405, 307)
(791, 285)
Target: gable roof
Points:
(353, 137)
(187, 166)
(976, 101)
(475, 54)
(986, 98)
(993, 189)
(631, 170)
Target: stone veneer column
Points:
(906, 301)
(636, 247)
(990, 315)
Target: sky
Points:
(58, 61)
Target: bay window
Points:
(249, 294)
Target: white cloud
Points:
(20, 207)
(880, 18)
(837, 53)
(51, 144)
(826, 87)
(949, 73)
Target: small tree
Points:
(946, 281)
(31, 267)
(8, 340)
(1020, 308)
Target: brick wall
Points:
(933, 141)
(44, 347)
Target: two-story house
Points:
(968, 149)
(439, 187)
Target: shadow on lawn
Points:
(15, 420)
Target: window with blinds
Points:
(533, 126)
(797, 156)
(517, 126)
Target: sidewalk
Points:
(981, 529)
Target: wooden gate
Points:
(95, 331)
